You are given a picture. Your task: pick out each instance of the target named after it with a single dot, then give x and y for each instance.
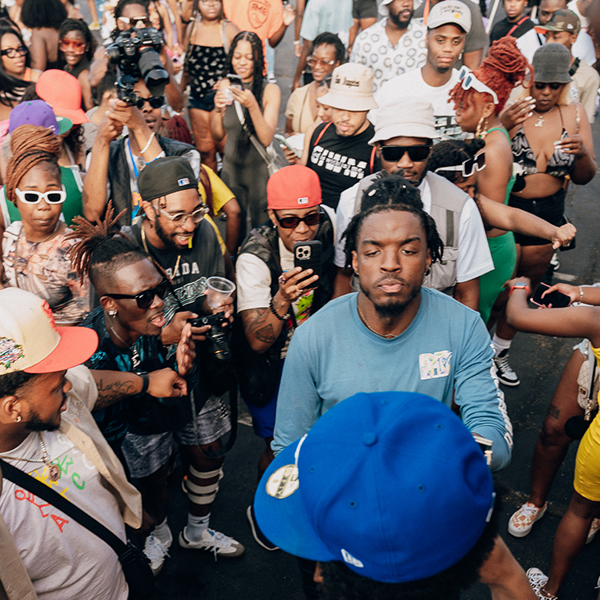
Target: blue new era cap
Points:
(390, 483)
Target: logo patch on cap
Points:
(184, 181)
(10, 352)
(351, 560)
(283, 483)
(303, 200)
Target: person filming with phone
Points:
(276, 294)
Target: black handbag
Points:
(135, 564)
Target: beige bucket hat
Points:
(351, 88)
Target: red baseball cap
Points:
(62, 92)
(293, 187)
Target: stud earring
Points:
(112, 313)
(18, 419)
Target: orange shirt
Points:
(263, 17)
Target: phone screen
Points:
(556, 299)
(235, 80)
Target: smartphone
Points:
(235, 81)
(283, 142)
(556, 298)
(308, 256)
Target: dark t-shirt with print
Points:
(341, 161)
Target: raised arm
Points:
(265, 119)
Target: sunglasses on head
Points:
(469, 81)
(310, 219)
(468, 167)
(33, 197)
(73, 45)
(154, 101)
(146, 298)
(415, 153)
(553, 86)
(13, 52)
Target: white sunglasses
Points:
(33, 197)
(468, 80)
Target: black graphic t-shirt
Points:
(340, 161)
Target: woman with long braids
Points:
(479, 98)
(35, 249)
(257, 105)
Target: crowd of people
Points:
(356, 272)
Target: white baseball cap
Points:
(351, 88)
(407, 116)
(450, 12)
(31, 342)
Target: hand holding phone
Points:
(555, 299)
(308, 256)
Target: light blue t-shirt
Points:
(446, 348)
(325, 15)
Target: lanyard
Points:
(135, 169)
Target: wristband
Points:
(272, 308)
(145, 381)
(580, 295)
(519, 286)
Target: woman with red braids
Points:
(479, 97)
(552, 145)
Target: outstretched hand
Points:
(186, 351)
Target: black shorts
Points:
(550, 208)
(364, 9)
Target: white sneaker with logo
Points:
(213, 541)
(156, 552)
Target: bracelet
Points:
(145, 381)
(580, 295)
(272, 308)
(519, 286)
(296, 42)
(149, 142)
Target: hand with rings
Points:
(295, 283)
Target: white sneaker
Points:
(504, 371)
(522, 520)
(213, 541)
(537, 581)
(156, 552)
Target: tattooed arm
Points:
(116, 385)
(262, 327)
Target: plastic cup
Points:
(218, 290)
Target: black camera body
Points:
(216, 335)
(135, 52)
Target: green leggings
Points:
(504, 255)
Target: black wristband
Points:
(145, 381)
(272, 308)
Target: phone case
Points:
(308, 256)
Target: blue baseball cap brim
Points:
(284, 521)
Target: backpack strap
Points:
(323, 131)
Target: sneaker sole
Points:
(239, 549)
(255, 533)
(520, 533)
(508, 383)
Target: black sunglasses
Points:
(12, 52)
(468, 167)
(311, 220)
(146, 298)
(553, 86)
(154, 101)
(415, 153)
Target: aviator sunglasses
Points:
(468, 167)
(33, 197)
(146, 298)
(311, 220)
(415, 153)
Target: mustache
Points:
(390, 278)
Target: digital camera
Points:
(216, 335)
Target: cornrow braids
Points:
(450, 153)
(30, 145)
(101, 249)
(503, 69)
(391, 189)
(434, 243)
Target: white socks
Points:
(196, 527)
(162, 532)
(499, 344)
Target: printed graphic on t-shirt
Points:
(435, 364)
(258, 13)
(338, 163)
(447, 127)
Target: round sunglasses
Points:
(417, 153)
(33, 197)
(146, 298)
(468, 167)
(311, 220)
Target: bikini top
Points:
(559, 164)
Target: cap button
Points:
(369, 438)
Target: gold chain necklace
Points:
(53, 470)
(364, 320)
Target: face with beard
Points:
(391, 259)
(45, 399)
(413, 170)
(401, 12)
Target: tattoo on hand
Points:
(554, 411)
(110, 392)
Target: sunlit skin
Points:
(470, 110)
(39, 220)
(242, 61)
(72, 57)
(348, 122)
(444, 45)
(130, 11)
(467, 184)
(546, 98)
(548, 8)
(13, 66)
(45, 400)
(412, 170)
(514, 9)
(152, 116)
(323, 55)
(301, 233)
(400, 12)
(561, 37)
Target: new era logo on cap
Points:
(184, 181)
(303, 200)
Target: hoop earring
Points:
(481, 130)
(427, 271)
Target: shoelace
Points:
(502, 362)
(537, 582)
(218, 539)
(529, 511)
(155, 549)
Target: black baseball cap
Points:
(165, 176)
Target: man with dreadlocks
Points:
(129, 322)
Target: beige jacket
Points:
(78, 424)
